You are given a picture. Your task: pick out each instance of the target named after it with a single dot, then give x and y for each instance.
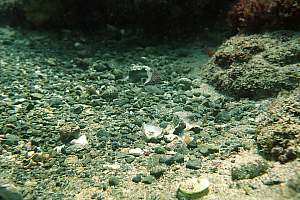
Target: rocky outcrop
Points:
(256, 66)
(278, 136)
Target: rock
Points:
(148, 179)
(77, 109)
(157, 171)
(272, 181)
(137, 178)
(8, 191)
(101, 67)
(184, 84)
(159, 150)
(169, 160)
(110, 93)
(278, 135)
(294, 183)
(112, 166)
(56, 102)
(36, 96)
(152, 133)
(69, 131)
(170, 137)
(179, 128)
(193, 164)
(136, 152)
(113, 181)
(207, 149)
(255, 66)
(81, 141)
(249, 170)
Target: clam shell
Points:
(194, 188)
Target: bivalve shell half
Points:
(193, 188)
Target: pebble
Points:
(81, 141)
(184, 84)
(152, 133)
(113, 181)
(157, 171)
(136, 152)
(169, 138)
(137, 178)
(193, 164)
(159, 150)
(112, 166)
(169, 160)
(249, 170)
(148, 179)
(69, 131)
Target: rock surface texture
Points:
(257, 65)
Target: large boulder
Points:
(278, 135)
(256, 66)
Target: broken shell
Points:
(194, 188)
(152, 132)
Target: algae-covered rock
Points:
(9, 191)
(257, 65)
(278, 136)
(249, 170)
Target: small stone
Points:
(77, 109)
(36, 96)
(169, 138)
(136, 152)
(81, 141)
(113, 181)
(157, 171)
(184, 84)
(148, 179)
(137, 178)
(159, 150)
(193, 164)
(101, 67)
(169, 160)
(110, 93)
(272, 181)
(69, 131)
(249, 170)
(55, 102)
(179, 128)
(178, 158)
(152, 133)
(112, 166)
